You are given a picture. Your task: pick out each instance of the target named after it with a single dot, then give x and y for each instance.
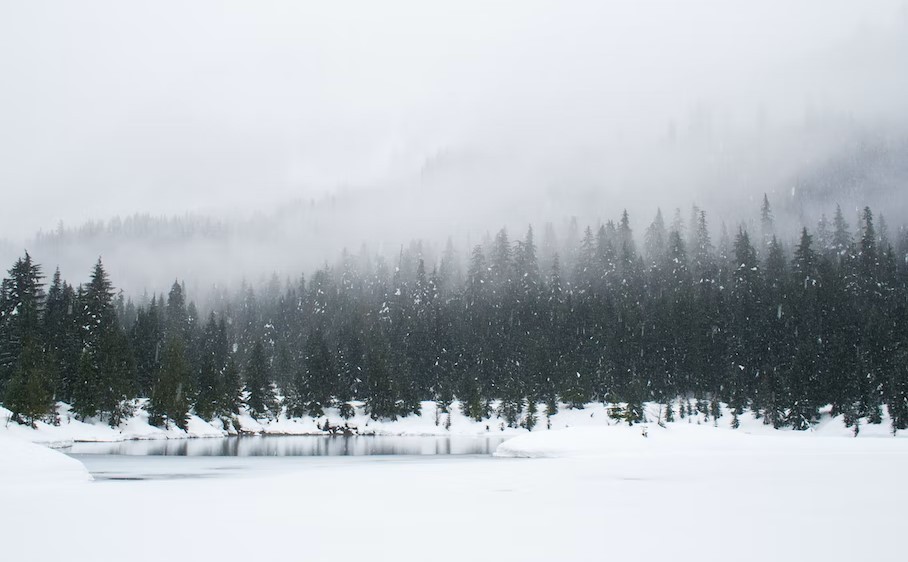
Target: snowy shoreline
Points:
(428, 423)
(137, 427)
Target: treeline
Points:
(781, 328)
(153, 228)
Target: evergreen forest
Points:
(679, 314)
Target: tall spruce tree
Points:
(261, 399)
(170, 399)
(27, 381)
(106, 370)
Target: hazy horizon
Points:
(443, 119)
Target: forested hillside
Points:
(524, 323)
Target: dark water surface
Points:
(254, 455)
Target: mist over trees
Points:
(459, 198)
(618, 312)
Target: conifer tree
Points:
(260, 400)
(804, 375)
(767, 223)
(320, 376)
(170, 399)
(744, 342)
(30, 391)
(381, 398)
(231, 395)
(146, 336)
(656, 239)
(106, 370)
(22, 303)
(211, 372)
(841, 237)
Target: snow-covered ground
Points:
(25, 464)
(605, 491)
(685, 491)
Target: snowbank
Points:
(575, 442)
(27, 463)
(622, 440)
(71, 429)
(698, 436)
(431, 421)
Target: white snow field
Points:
(603, 492)
(23, 463)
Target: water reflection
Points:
(297, 446)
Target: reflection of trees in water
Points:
(299, 446)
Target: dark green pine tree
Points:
(767, 224)
(177, 321)
(117, 368)
(194, 343)
(27, 384)
(503, 361)
(803, 376)
(61, 337)
(86, 390)
(631, 382)
(320, 376)
(775, 353)
(349, 367)
(554, 338)
(677, 318)
(841, 237)
(294, 401)
(147, 340)
(230, 399)
(261, 399)
(474, 384)
(22, 303)
(527, 326)
(420, 344)
(106, 370)
(172, 393)
(445, 349)
(211, 370)
(398, 334)
(381, 392)
(669, 412)
(897, 383)
(170, 399)
(54, 324)
(530, 419)
(871, 292)
(837, 322)
(30, 392)
(744, 342)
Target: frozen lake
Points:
(239, 456)
(685, 488)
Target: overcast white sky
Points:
(167, 106)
